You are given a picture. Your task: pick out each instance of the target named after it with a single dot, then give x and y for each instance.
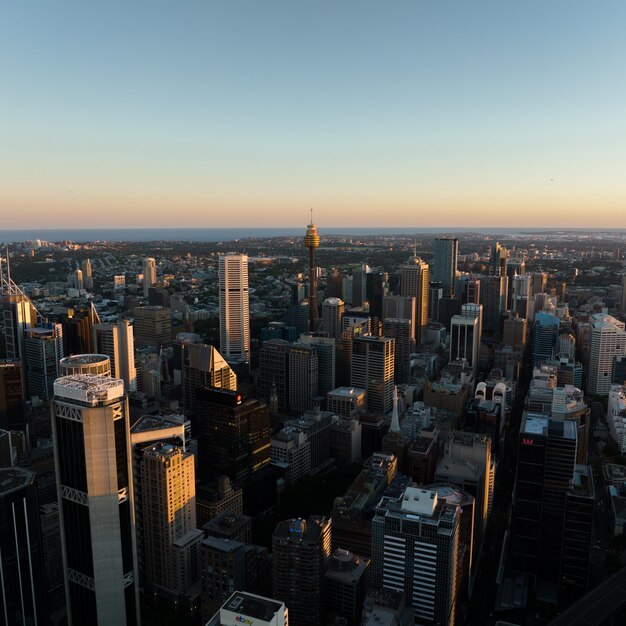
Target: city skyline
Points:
(216, 114)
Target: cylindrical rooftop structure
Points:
(86, 364)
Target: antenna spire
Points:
(311, 209)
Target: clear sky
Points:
(398, 113)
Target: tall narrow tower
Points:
(312, 242)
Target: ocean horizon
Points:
(85, 235)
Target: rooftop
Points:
(347, 392)
(153, 422)
(253, 606)
(88, 388)
(13, 478)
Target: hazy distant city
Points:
(333, 430)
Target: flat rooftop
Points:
(252, 606)
(347, 392)
(13, 478)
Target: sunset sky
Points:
(407, 113)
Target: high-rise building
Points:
(43, 347)
(87, 273)
(153, 326)
(118, 343)
(168, 505)
(274, 372)
(78, 326)
(303, 378)
(22, 600)
(204, 366)
(545, 336)
(539, 282)
(326, 359)
(234, 308)
(623, 300)
(493, 297)
(400, 331)
(93, 466)
(18, 315)
(415, 550)
(247, 608)
(347, 584)
(291, 448)
(375, 289)
(373, 370)
(545, 468)
(311, 243)
(415, 282)
(76, 279)
(608, 340)
(149, 274)
(332, 312)
(472, 290)
(301, 550)
(498, 261)
(445, 262)
(11, 394)
(522, 292)
(515, 331)
(435, 295)
(346, 401)
(233, 436)
(400, 307)
(464, 339)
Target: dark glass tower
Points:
(22, 588)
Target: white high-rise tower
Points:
(234, 308)
(149, 274)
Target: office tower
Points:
(247, 608)
(326, 362)
(346, 401)
(400, 307)
(117, 342)
(616, 416)
(608, 340)
(359, 285)
(168, 492)
(229, 525)
(435, 295)
(22, 600)
(204, 366)
(373, 370)
(301, 550)
(449, 306)
(78, 330)
(332, 312)
(234, 308)
(464, 339)
(274, 372)
(347, 584)
(43, 347)
(545, 469)
(400, 331)
(153, 326)
(515, 331)
(298, 317)
(623, 299)
(521, 299)
(498, 260)
(233, 436)
(149, 274)
(472, 290)
(297, 292)
(11, 394)
(493, 297)
(215, 498)
(415, 550)
(334, 283)
(87, 273)
(291, 449)
(345, 440)
(539, 282)
(375, 288)
(303, 378)
(470, 309)
(90, 427)
(445, 262)
(229, 564)
(311, 243)
(317, 426)
(545, 336)
(618, 377)
(415, 282)
(278, 330)
(119, 282)
(346, 289)
(18, 314)
(158, 296)
(76, 279)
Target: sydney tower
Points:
(312, 241)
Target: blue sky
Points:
(208, 114)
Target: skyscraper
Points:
(415, 282)
(464, 339)
(301, 550)
(400, 331)
(153, 326)
(303, 377)
(234, 308)
(608, 340)
(400, 307)
(117, 342)
(11, 394)
(233, 436)
(168, 518)
(274, 372)
(493, 297)
(43, 347)
(149, 274)
(499, 257)
(373, 370)
(93, 465)
(22, 587)
(332, 312)
(445, 262)
(87, 273)
(311, 243)
(415, 550)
